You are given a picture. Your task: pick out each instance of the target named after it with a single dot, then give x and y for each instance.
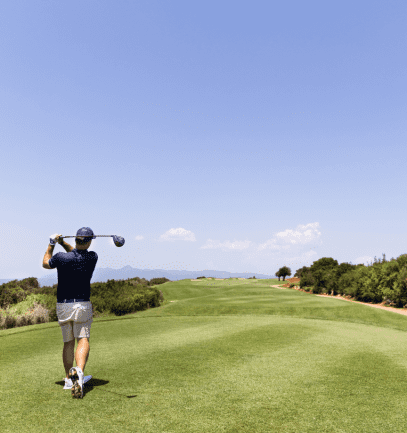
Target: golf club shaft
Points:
(118, 240)
(95, 236)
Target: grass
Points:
(217, 356)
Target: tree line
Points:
(380, 281)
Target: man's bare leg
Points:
(68, 356)
(82, 353)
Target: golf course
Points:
(217, 356)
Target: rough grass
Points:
(28, 312)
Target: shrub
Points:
(52, 314)
(41, 314)
(131, 302)
(346, 284)
(9, 322)
(125, 305)
(398, 291)
(156, 281)
(99, 305)
(22, 320)
(363, 286)
(306, 279)
(11, 295)
(47, 290)
(29, 303)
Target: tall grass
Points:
(36, 308)
(34, 315)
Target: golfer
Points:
(74, 309)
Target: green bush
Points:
(156, 281)
(132, 302)
(10, 321)
(11, 295)
(47, 290)
(346, 284)
(105, 290)
(126, 305)
(397, 290)
(368, 286)
(29, 302)
(306, 279)
(16, 291)
(123, 296)
(22, 321)
(99, 304)
(53, 313)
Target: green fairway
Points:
(223, 356)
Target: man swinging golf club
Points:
(74, 309)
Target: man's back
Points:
(75, 270)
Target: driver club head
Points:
(118, 241)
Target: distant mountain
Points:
(101, 275)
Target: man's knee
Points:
(78, 339)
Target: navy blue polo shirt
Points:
(75, 270)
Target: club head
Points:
(118, 241)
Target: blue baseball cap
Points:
(86, 233)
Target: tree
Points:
(323, 270)
(283, 272)
(301, 271)
(343, 268)
(307, 279)
(324, 264)
(278, 275)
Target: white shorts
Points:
(75, 319)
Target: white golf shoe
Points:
(68, 383)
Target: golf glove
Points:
(53, 239)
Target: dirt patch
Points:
(293, 280)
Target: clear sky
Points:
(228, 135)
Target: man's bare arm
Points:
(68, 248)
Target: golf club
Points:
(118, 240)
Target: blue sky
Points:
(234, 136)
